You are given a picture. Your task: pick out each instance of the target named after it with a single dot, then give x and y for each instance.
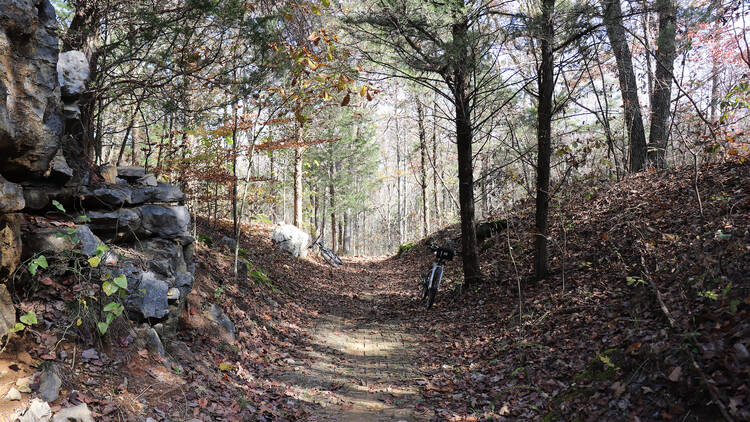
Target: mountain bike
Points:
(328, 255)
(431, 280)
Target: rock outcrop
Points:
(47, 207)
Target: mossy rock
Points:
(405, 247)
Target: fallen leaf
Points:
(674, 376)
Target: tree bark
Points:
(332, 193)
(662, 96)
(423, 178)
(472, 271)
(298, 183)
(436, 203)
(546, 85)
(628, 84)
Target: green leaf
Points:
(41, 261)
(326, 3)
(102, 326)
(101, 249)
(58, 205)
(226, 367)
(733, 306)
(17, 328)
(94, 261)
(109, 288)
(32, 268)
(71, 230)
(110, 318)
(121, 281)
(84, 219)
(111, 306)
(29, 318)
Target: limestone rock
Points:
(10, 244)
(147, 180)
(291, 239)
(72, 73)
(147, 296)
(38, 411)
(131, 172)
(49, 384)
(217, 315)
(168, 222)
(60, 171)
(147, 338)
(110, 197)
(11, 196)
(161, 192)
(80, 413)
(30, 121)
(173, 294)
(55, 240)
(109, 173)
(7, 311)
(115, 225)
(12, 395)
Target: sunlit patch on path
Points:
(359, 370)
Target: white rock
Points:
(291, 239)
(12, 395)
(38, 411)
(72, 72)
(80, 413)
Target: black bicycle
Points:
(431, 280)
(328, 255)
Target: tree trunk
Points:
(661, 99)
(332, 193)
(628, 84)
(436, 203)
(298, 183)
(423, 168)
(472, 271)
(546, 85)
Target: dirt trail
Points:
(361, 364)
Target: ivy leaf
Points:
(84, 219)
(29, 318)
(109, 288)
(111, 306)
(121, 281)
(17, 328)
(94, 261)
(58, 205)
(102, 326)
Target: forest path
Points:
(361, 360)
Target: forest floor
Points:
(644, 317)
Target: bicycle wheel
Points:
(336, 258)
(436, 276)
(326, 254)
(425, 285)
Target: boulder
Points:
(11, 196)
(147, 338)
(131, 173)
(162, 192)
(60, 171)
(168, 222)
(12, 395)
(184, 282)
(7, 311)
(56, 240)
(80, 413)
(38, 411)
(163, 256)
(217, 315)
(72, 73)
(109, 197)
(291, 239)
(147, 296)
(115, 225)
(49, 384)
(10, 244)
(489, 228)
(228, 242)
(147, 180)
(108, 173)
(30, 121)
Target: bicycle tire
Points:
(336, 258)
(425, 286)
(326, 254)
(436, 276)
